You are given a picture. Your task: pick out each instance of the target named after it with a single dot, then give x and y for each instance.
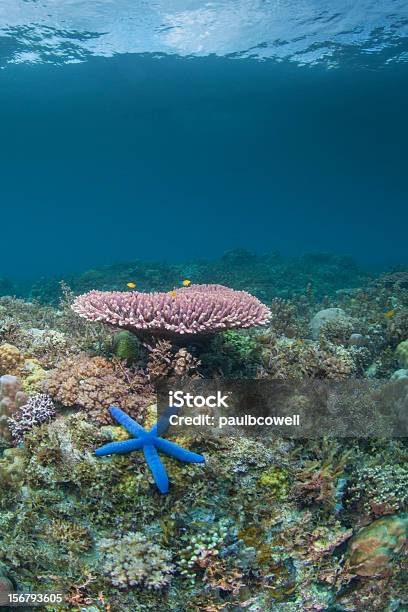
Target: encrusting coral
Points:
(373, 549)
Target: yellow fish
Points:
(131, 285)
(186, 282)
(389, 313)
(172, 293)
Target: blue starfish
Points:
(150, 443)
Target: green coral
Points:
(402, 353)
(234, 353)
(239, 343)
(33, 376)
(126, 346)
(202, 540)
(276, 481)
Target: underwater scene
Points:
(204, 305)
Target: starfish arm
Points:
(174, 450)
(157, 468)
(130, 424)
(113, 448)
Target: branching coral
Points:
(288, 359)
(378, 490)
(94, 384)
(133, 560)
(47, 345)
(38, 409)
(69, 535)
(163, 361)
(285, 318)
(199, 309)
(317, 481)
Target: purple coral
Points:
(38, 409)
(199, 309)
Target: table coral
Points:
(192, 311)
(94, 383)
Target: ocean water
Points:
(179, 130)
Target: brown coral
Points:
(11, 360)
(374, 548)
(185, 364)
(94, 383)
(290, 359)
(163, 362)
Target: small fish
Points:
(389, 313)
(186, 282)
(131, 285)
(172, 293)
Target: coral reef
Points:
(285, 358)
(267, 523)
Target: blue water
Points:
(180, 129)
